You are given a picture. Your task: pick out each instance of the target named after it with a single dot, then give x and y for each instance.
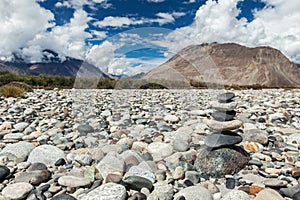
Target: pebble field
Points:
(151, 144)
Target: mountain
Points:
(53, 64)
(139, 75)
(229, 64)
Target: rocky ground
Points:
(150, 144)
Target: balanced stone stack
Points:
(221, 155)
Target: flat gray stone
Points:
(224, 126)
(63, 197)
(13, 136)
(20, 149)
(256, 135)
(194, 192)
(73, 181)
(20, 126)
(33, 177)
(291, 191)
(275, 183)
(17, 191)
(223, 106)
(223, 115)
(225, 97)
(221, 140)
(47, 154)
(84, 129)
(171, 118)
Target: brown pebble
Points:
(296, 172)
(251, 147)
(255, 189)
(273, 182)
(115, 178)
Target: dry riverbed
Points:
(150, 144)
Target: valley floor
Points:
(138, 144)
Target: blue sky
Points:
(133, 36)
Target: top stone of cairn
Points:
(225, 97)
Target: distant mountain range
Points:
(52, 64)
(226, 64)
(229, 64)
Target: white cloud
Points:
(102, 55)
(178, 14)
(63, 4)
(117, 22)
(190, 1)
(68, 39)
(124, 65)
(163, 18)
(105, 55)
(78, 4)
(99, 35)
(276, 25)
(155, 1)
(20, 22)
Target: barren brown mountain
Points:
(230, 64)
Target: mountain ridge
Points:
(52, 64)
(229, 64)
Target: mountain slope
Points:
(230, 64)
(51, 64)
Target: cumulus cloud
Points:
(115, 21)
(101, 55)
(132, 66)
(68, 39)
(20, 22)
(111, 55)
(28, 29)
(276, 25)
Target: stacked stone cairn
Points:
(221, 156)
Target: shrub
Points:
(153, 86)
(11, 91)
(106, 83)
(25, 86)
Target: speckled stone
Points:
(219, 162)
(106, 191)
